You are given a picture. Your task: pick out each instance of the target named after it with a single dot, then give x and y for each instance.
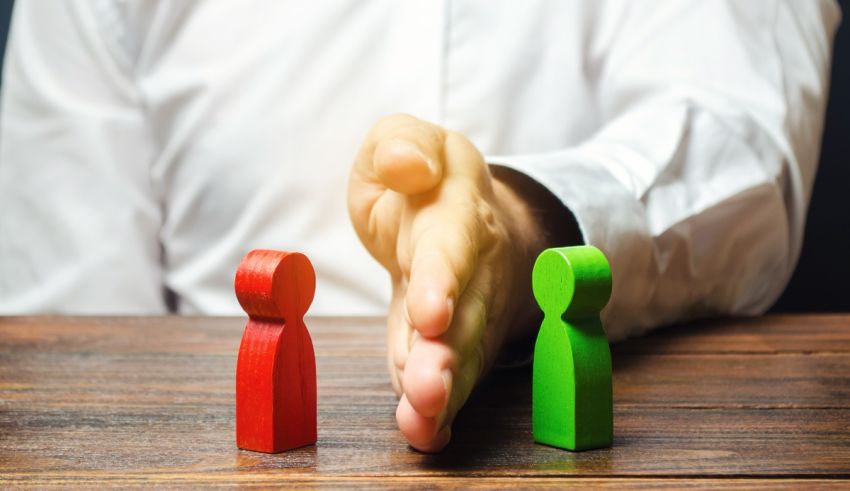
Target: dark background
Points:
(825, 262)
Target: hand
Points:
(459, 247)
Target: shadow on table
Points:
(494, 423)
(494, 431)
(494, 428)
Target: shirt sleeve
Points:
(696, 185)
(79, 220)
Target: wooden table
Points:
(141, 401)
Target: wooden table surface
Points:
(140, 401)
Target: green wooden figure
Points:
(572, 403)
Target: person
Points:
(145, 147)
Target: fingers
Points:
(420, 200)
(433, 364)
(432, 433)
(409, 162)
(436, 212)
(422, 433)
(443, 249)
(446, 235)
(411, 157)
(401, 156)
(398, 340)
(428, 374)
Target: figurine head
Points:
(571, 281)
(275, 284)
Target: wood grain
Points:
(140, 401)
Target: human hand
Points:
(459, 246)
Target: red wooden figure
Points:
(276, 368)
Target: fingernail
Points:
(450, 303)
(411, 148)
(432, 167)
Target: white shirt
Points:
(149, 145)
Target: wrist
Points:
(535, 220)
(525, 240)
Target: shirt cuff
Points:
(609, 217)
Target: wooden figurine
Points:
(276, 368)
(572, 401)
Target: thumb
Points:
(406, 165)
(404, 154)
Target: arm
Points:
(697, 183)
(695, 186)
